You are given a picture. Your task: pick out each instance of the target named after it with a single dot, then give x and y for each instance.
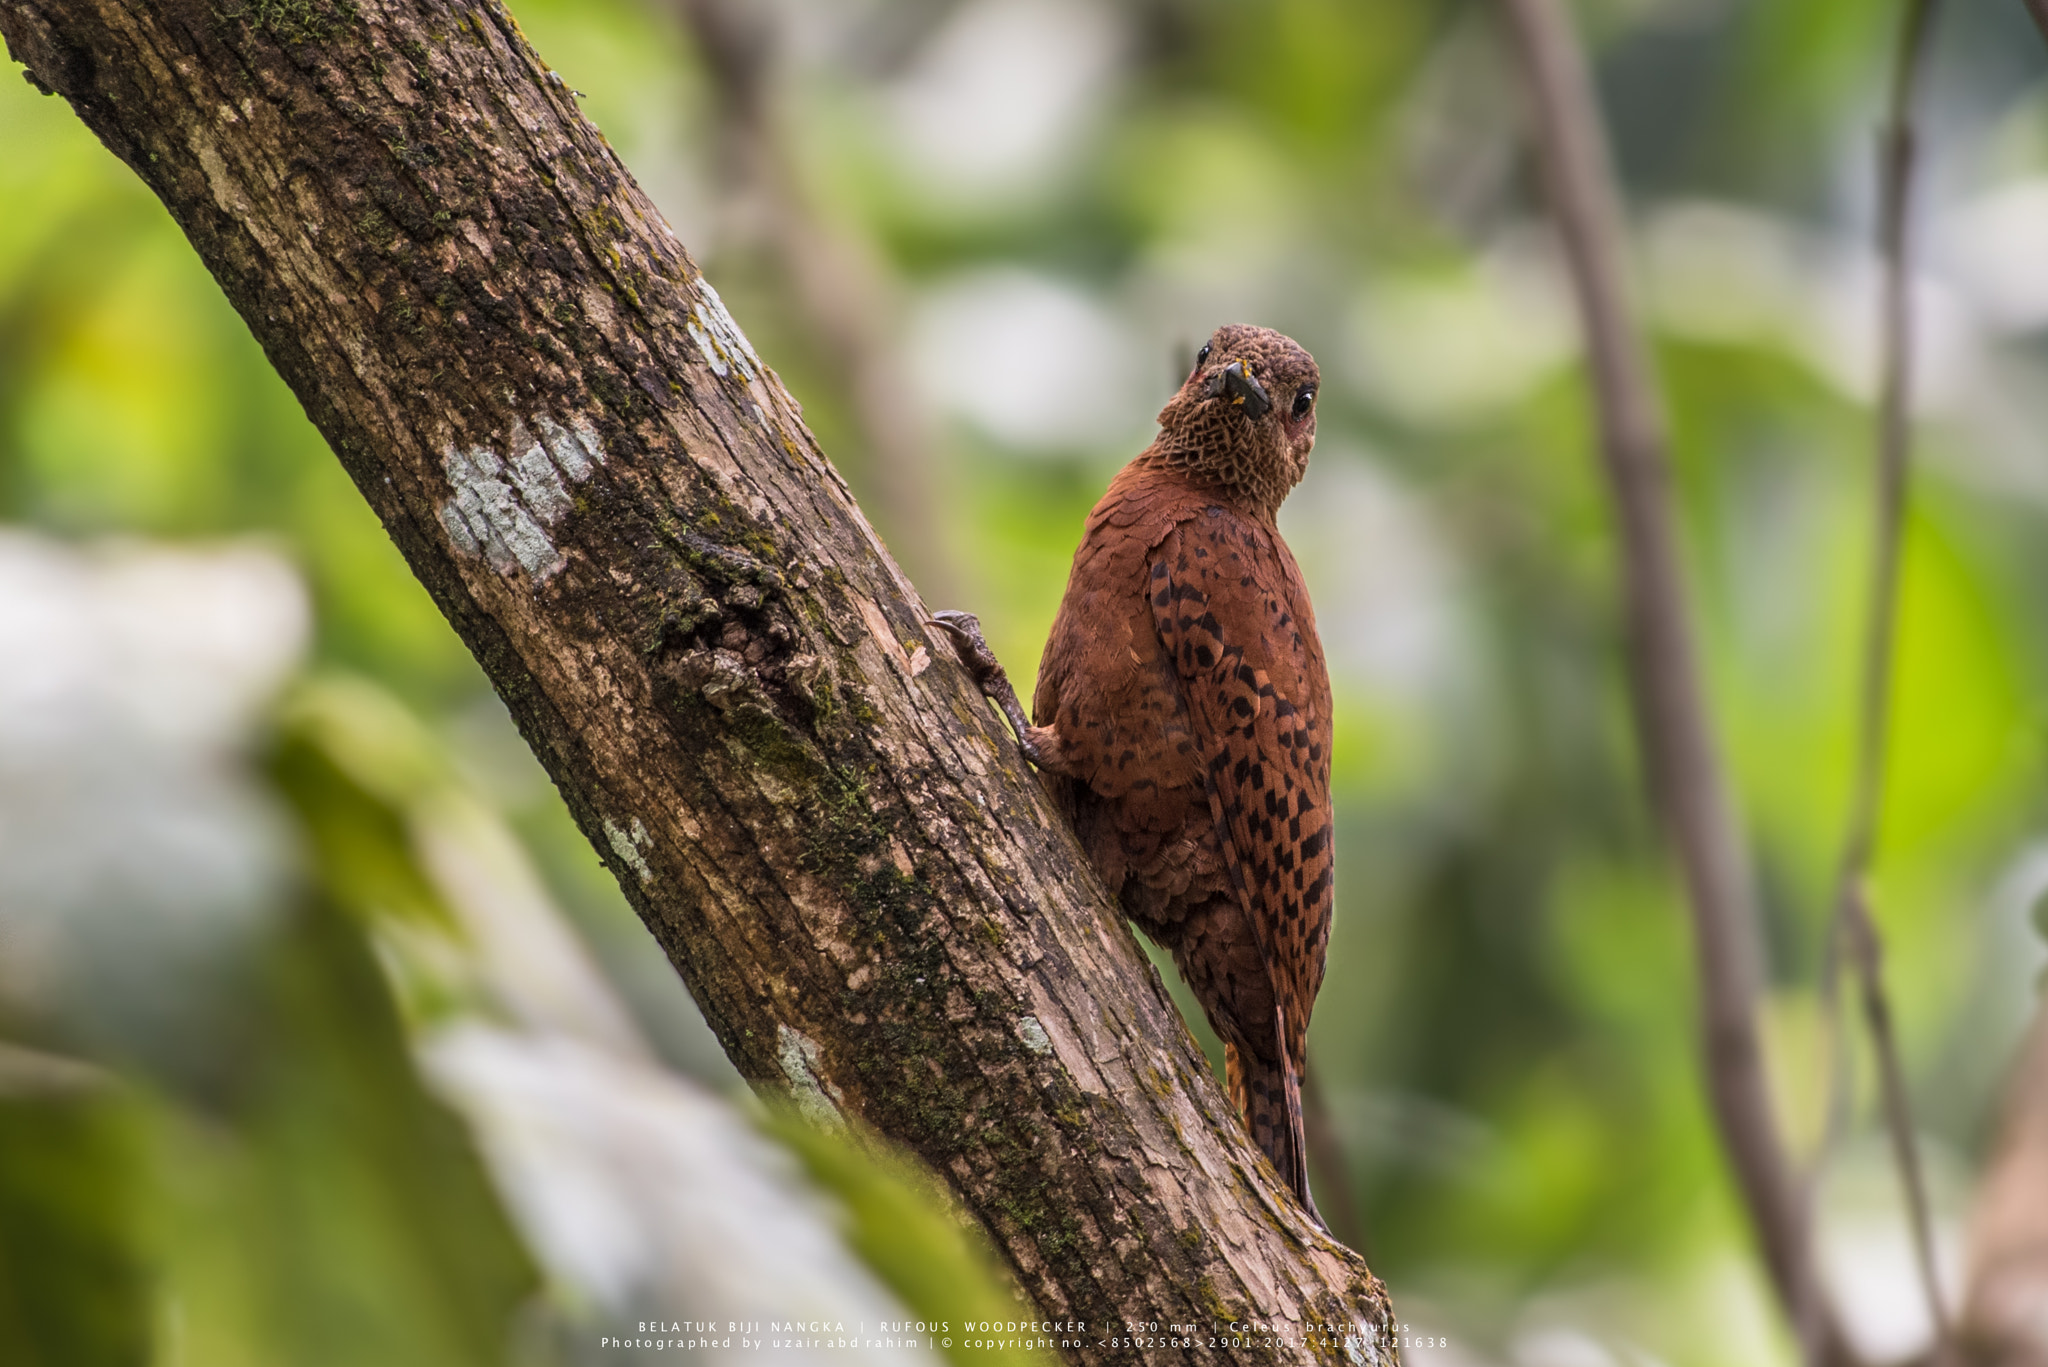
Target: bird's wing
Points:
(1232, 611)
(1104, 682)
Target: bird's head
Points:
(1245, 419)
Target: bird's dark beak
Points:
(1237, 382)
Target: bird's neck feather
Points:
(1237, 472)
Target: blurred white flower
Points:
(1948, 345)
(1034, 362)
(1001, 94)
(1722, 273)
(1383, 580)
(1561, 1346)
(1731, 274)
(1991, 248)
(1464, 344)
(1866, 1247)
(175, 648)
(135, 852)
(650, 1196)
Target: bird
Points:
(1182, 716)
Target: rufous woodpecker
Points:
(1183, 708)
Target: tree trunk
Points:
(622, 513)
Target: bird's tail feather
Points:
(1268, 1096)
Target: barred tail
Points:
(1268, 1096)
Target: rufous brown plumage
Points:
(1183, 707)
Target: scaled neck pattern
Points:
(1210, 454)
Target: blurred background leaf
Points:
(73, 1268)
(905, 1227)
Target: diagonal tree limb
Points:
(1684, 770)
(1852, 926)
(621, 512)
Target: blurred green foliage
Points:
(1506, 1039)
(361, 1227)
(913, 1236)
(325, 1210)
(360, 842)
(73, 1272)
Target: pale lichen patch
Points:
(575, 448)
(798, 1056)
(724, 346)
(1033, 1034)
(485, 516)
(501, 508)
(705, 345)
(627, 846)
(533, 470)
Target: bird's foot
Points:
(964, 630)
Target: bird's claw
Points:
(964, 630)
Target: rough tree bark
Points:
(622, 513)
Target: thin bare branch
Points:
(1853, 926)
(1894, 436)
(1685, 776)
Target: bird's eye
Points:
(1201, 355)
(1304, 399)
